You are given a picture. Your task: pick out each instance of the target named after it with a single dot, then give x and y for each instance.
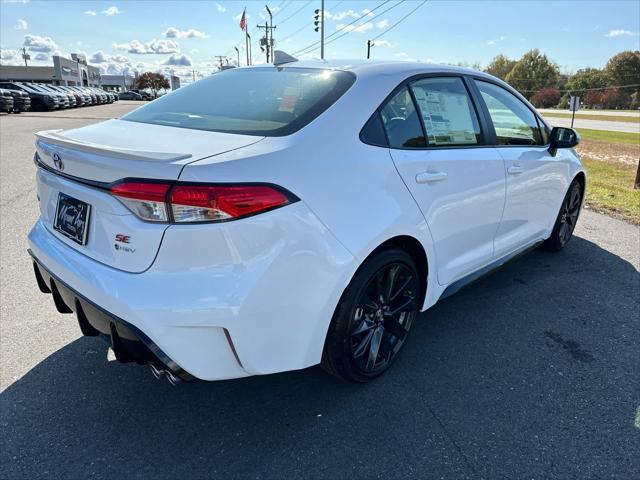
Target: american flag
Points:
(243, 20)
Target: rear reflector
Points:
(191, 203)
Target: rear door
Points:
(536, 181)
(438, 146)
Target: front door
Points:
(459, 184)
(536, 181)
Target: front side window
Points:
(401, 122)
(447, 112)
(514, 122)
(253, 101)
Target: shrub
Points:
(546, 98)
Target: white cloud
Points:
(367, 12)
(152, 47)
(382, 24)
(21, 25)
(173, 32)
(404, 56)
(178, 60)
(383, 43)
(9, 57)
(501, 38)
(341, 15)
(220, 8)
(621, 33)
(91, 13)
(101, 57)
(111, 11)
(41, 57)
(24, 2)
(355, 28)
(35, 43)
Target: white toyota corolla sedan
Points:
(271, 218)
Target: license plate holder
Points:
(72, 218)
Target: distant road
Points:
(594, 124)
(617, 113)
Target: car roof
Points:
(376, 67)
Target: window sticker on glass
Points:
(446, 111)
(289, 99)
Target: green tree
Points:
(624, 69)
(586, 79)
(500, 66)
(152, 81)
(533, 72)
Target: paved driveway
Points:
(533, 372)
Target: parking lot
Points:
(533, 372)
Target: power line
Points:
(311, 48)
(306, 25)
(399, 21)
(315, 45)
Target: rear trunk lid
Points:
(77, 167)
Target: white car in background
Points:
(271, 218)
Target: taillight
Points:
(189, 203)
(195, 203)
(146, 200)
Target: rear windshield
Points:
(253, 101)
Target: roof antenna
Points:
(280, 58)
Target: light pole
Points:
(238, 53)
(369, 45)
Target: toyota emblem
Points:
(57, 161)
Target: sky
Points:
(184, 37)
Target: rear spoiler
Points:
(46, 138)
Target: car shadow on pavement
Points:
(531, 372)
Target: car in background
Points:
(102, 97)
(64, 100)
(21, 100)
(86, 91)
(39, 100)
(86, 98)
(129, 95)
(80, 99)
(145, 95)
(6, 101)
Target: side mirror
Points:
(562, 137)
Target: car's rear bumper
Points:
(129, 343)
(222, 301)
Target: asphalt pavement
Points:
(533, 372)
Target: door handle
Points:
(430, 177)
(515, 170)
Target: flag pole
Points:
(246, 34)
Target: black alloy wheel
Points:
(567, 218)
(373, 318)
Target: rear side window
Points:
(401, 122)
(253, 101)
(514, 122)
(447, 112)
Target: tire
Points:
(566, 219)
(370, 326)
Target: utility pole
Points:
(319, 26)
(220, 59)
(369, 45)
(238, 53)
(267, 40)
(25, 56)
(249, 55)
(322, 29)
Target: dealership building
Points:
(64, 71)
(72, 72)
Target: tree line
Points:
(615, 86)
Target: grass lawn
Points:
(604, 118)
(610, 189)
(609, 136)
